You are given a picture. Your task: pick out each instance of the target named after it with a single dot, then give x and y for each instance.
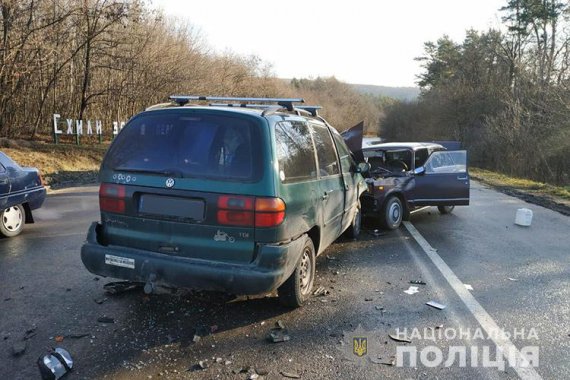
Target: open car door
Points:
(443, 180)
(353, 139)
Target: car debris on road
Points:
(436, 305)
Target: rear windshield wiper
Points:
(165, 172)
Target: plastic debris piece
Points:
(30, 333)
(279, 335)
(99, 301)
(368, 299)
(412, 290)
(55, 364)
(512, 279)
(106, 320)
(398, 339)
(290, 375)
(417, 282)
(436, 305)
(196, 338)
(59, 338)
(321, 291)
(122, 286)
(279, 324)
(468, 287)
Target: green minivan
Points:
(235, 197)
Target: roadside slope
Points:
(60, 165)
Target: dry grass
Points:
(53, 159)
(526, 185)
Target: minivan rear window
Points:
(187, 145)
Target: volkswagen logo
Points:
(169, 182)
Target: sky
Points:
(357, 41)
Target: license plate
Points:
(176, 207)
(120, 261)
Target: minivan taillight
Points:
(269, 212)
(112, 198)
(236, 210)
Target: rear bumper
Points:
(272, 266)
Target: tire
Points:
(392, 213)
(445, 209)
(12, 221)
(353, 230)
(297, 289)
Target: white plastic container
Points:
(523, 217)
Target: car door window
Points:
(2, 169)
(447, 162)
(327, 159)
(346, 160)
(421, 157)
(295, 151)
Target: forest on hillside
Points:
(504, 94)
(110, 59)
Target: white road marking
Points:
(524, 370)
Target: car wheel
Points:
(445, 209)
(392, 213)
(12, 221)
(297, 289)
(353, 230)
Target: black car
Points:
(21, 191)
(404, 176)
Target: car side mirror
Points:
(420, 171)
(362, 167)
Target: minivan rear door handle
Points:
(462, 178)
(326, 194)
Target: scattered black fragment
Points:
(106, 320)
(122, 286)
(398, 339)
(77, 336)
(417, 282)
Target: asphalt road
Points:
(520, 280)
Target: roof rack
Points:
(284, 102)
(312, 110)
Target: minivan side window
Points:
(295, 151)
(346, 160)
(328, 163)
